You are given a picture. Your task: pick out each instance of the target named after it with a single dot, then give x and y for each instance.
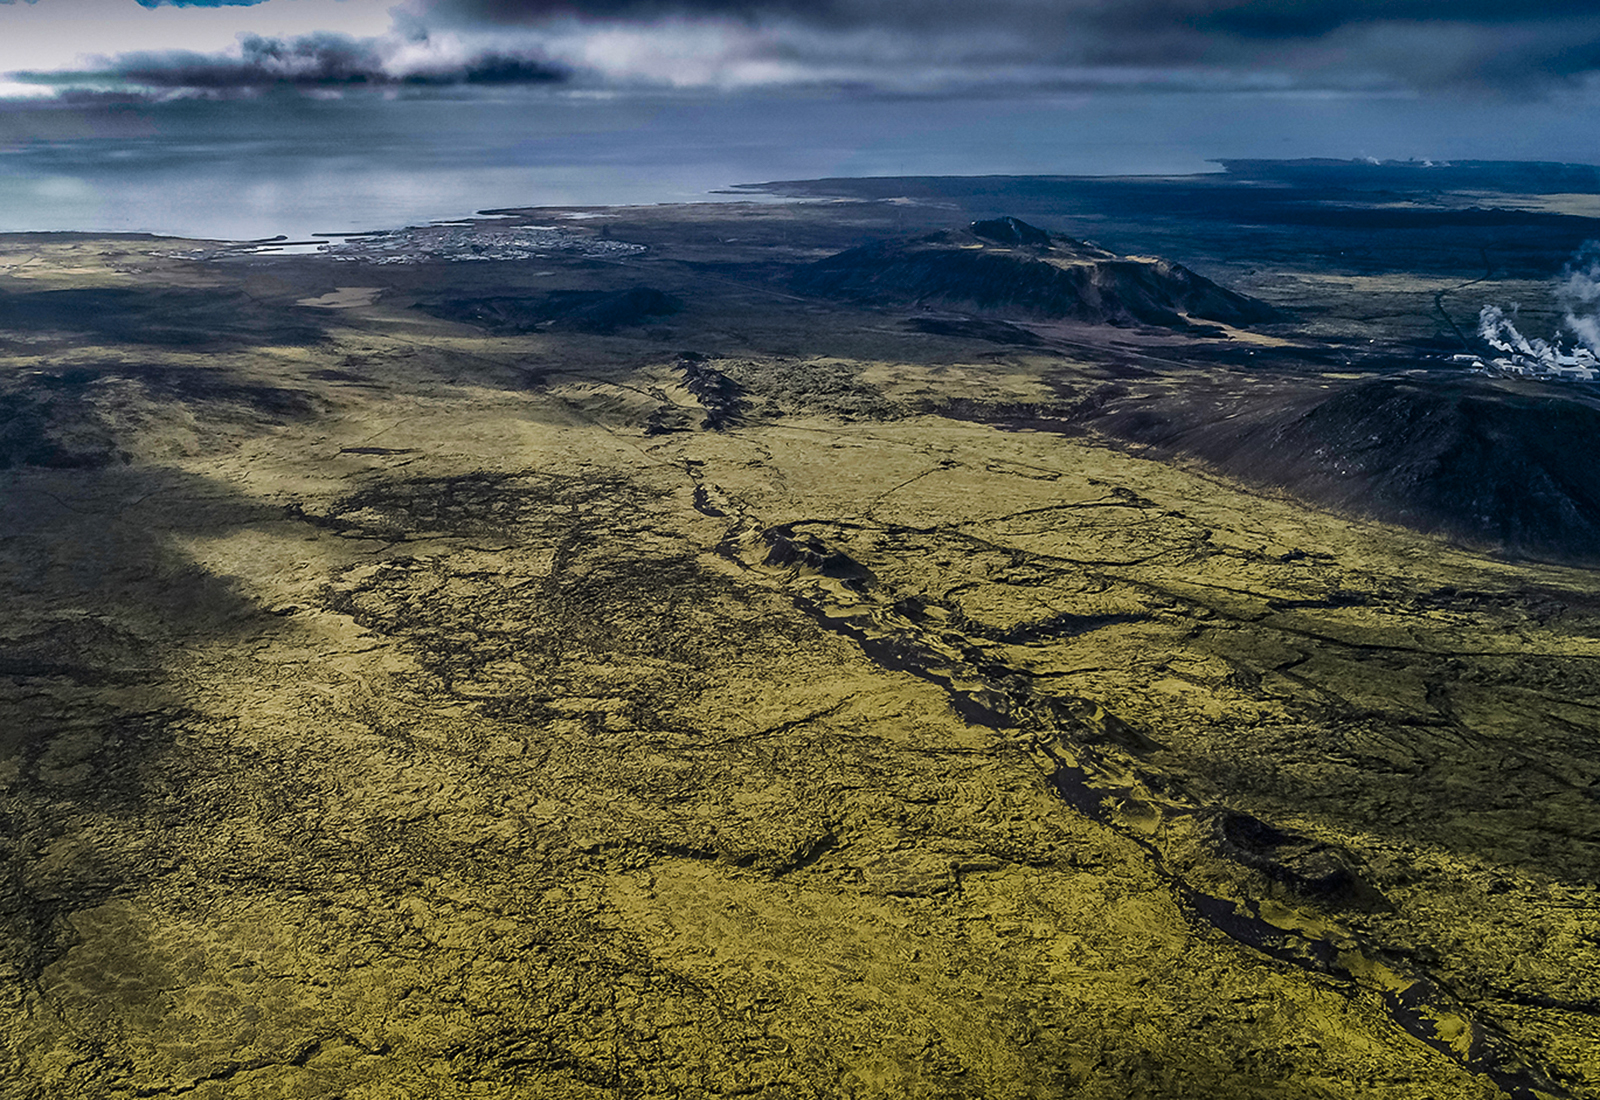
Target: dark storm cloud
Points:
(1315, 18)
(522, 12)
(308, 62)
(318, 59)
(914, 46)
(1268, 18)
(1337, 43)
(198, 3)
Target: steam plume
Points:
(1577, 292)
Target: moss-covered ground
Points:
(394, 709)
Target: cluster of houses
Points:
(1578, 366)
(421, 244)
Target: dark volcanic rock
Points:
(605, 311)
(1303, 865)
(1008, 268)
(598, 311)
(32, 433)
(995, 332)
(721, 397)
(63, 418)
(1011, 231)
(1495, 464)
(178, 318)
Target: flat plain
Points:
(628, 669)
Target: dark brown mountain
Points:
(1007, 268)
(1508, 465)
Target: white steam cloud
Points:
(1577, 292)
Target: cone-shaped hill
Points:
(1008, 268)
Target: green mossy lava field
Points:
(764, 693)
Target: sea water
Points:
(293, 165)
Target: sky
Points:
(239, 116)
(164, 49)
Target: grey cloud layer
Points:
(1265, 18)
(922, 45)
(307, 62)
(319, 60)
(1489, 43)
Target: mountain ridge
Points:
(1004, 267)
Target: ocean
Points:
(293, 165)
